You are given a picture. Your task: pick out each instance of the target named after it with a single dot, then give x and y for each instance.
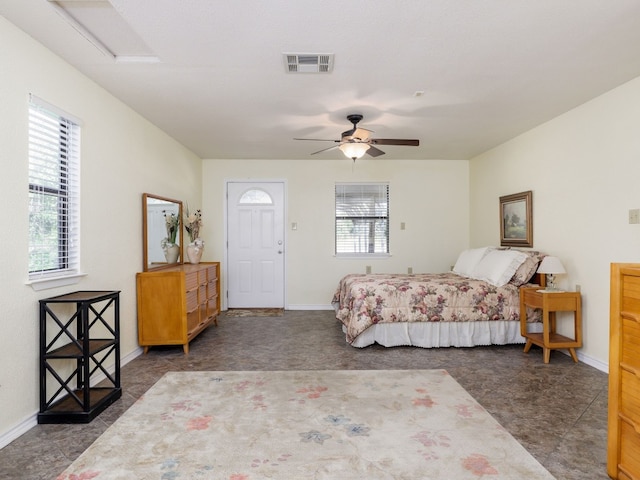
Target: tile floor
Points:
(556, 411)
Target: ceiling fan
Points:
(356, 142)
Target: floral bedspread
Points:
(363, 300)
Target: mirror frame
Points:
(145, 233)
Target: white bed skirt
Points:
(443, 334)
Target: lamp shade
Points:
(551, 265)
(354, 150)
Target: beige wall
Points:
(430, 197)
(583, 168)
(122, 156)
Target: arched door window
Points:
(255, 196)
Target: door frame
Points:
(225, 294)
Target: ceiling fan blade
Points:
(374, 152)
(325, 149)
(362, 133)
(318, 140)
(395, 141)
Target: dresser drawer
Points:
(193, 319)
(630, 395)
(204, 315)
(192, 301)
(202, 277)
(191, 281)
(212, 273)
(212, 308)
(631, 287)
(212, 289)
(630, 341)
(629, 448)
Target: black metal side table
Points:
(76, 342)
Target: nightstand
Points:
(551, 302)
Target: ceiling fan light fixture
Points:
(354, 151)
(356, 142)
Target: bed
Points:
(477, 303)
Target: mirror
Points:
(157, 251)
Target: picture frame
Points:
(516, 220)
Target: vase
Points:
(194, 251)
(171, 252)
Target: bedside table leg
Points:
(572, 352)
(547, 354)
(527, 346)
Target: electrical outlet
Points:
(577, 288)
(410, 270)
(368, 268)
(634, 216)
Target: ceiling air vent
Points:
(308, 62)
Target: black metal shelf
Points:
(71, 350)
(67, 409)
(76, 399)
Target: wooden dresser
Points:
(175, 304)
(623, 446)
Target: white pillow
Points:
(498, 266)
(468, 259)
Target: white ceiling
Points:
(489, 69)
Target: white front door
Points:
(255, 244)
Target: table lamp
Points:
(551, 266)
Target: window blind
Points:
(362, 218)
(54, 193)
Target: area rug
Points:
(255, 312)
(408, 424)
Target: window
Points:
(255, 197)
(54, 194)
(362, 218)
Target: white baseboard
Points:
(302, 307)
(32, 420)
(592, 362)
(134, 354)
(309, 307)
(20, 429)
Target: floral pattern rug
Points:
(406, 424)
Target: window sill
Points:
(54, 282)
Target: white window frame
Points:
(54, 187)
(372, 212)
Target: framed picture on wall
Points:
(516, 220)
